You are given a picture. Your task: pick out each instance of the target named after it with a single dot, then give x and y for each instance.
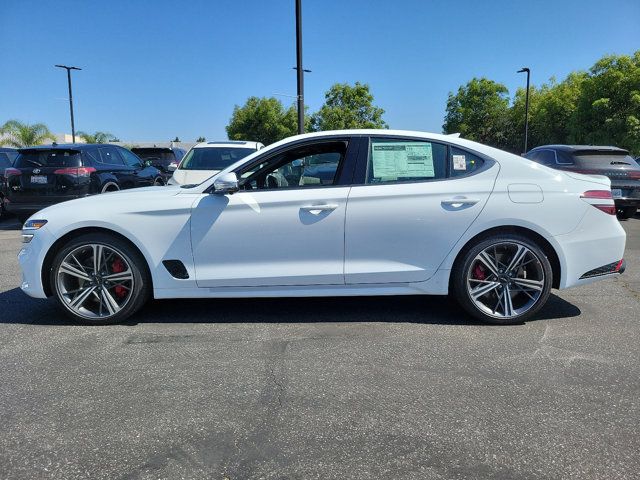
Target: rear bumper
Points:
(598, 241)
(627, 202)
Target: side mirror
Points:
(147, 163)
(172, 167)
(226, 183)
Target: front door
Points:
(285, 226)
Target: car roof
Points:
(67, 146)
(229, 144)
(579, 148)
(8, 149)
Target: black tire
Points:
(140, 292)
(624, 213)
(158, 182)
(464, 263)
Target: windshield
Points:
(48, 158)
(213, 158)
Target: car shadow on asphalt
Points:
(16, 307)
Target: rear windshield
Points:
(48, 158)
(163, 157)
(604, 159)
(213, 158)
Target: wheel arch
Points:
(58, 244)
(542, 242)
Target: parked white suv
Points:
(208, 158)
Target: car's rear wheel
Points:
(503, 279)
(99, 279)
(625, 213)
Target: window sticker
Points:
(459, 162)
(392, 161)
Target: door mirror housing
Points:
(226, 183)
(172, 167)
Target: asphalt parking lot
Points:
(322, 388)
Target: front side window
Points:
(303, 167)
(131, 159)
(392, 160)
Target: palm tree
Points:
(18, 134)
(97, 137)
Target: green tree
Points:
(479, 111)
(348, 107)
(262, 120)
(18, 134)
(608, 108)
(96, 137)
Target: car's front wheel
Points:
(503, 279)
(99, 279)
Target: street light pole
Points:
(299, 69)
(73, 127)
(526, 108)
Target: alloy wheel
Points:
(505, 280)
(95, 281)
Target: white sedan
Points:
(358, 212)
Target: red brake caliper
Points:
(116, 267)
(478, 272)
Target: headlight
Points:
(34, 224)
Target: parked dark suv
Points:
(612, 162)
(7, 156)
(161, 158)
(42, 176)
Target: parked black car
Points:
(44, 175)
(161, 158)
(612, 162)
(7, 156)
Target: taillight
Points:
(635, 174)
(600, 195)
(11, 172)
(75, 171)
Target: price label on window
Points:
(397, 160)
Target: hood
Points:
(192, 177)
(121, 199)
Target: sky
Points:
(154, 70)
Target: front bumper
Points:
(31, 258)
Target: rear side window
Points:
(108, 156)
(48, 158)
(462, 162)
(392, 160)
(157, 156)
(4, 160)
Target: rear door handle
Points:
(459, 201)
(316, 209)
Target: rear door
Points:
(46, 176)
(415, 200)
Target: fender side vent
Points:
(176, 268)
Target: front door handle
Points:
(459, 201)
(316, 209)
